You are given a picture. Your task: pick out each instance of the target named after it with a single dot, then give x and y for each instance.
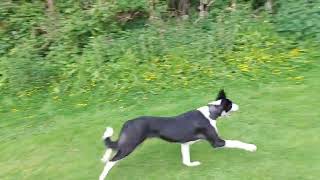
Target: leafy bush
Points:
(81, 49)
(300, 18)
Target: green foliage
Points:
(82, 49)
(299, 18)
(133, 5)
(24, 69)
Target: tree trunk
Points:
(233, 4)
(51, 11)
(152, 9)
(179, 7)
(50, 6)
(184, 6)
(268, 6)
(203, 8)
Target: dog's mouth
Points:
(225, 114)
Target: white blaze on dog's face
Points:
(234, 107)
(226, 104)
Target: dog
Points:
(187, 128)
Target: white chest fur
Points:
(205, 111)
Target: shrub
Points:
(299, 18)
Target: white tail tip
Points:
(107, 133)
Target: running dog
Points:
(194, 125)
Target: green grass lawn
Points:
(282, 119)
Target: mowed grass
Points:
(282, 119)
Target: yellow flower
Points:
(149, 76)
(82, 104)
(298, 78)
(276, 71)
(294, 52)
(243, 67)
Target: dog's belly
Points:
(179, 137)
(180, 130)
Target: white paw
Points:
(190, 164)
(251, 147)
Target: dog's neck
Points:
(205, 111)
(210, 112)
(214, 111)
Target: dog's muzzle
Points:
(235, 107)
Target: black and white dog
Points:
(199, 124)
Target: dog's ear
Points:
(221, 95)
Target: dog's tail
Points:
(107, 138)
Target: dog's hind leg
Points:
(110, 144)
(123, 151)
(107, 155)
(128, 141)
(185, 151)
(106, 169)
(107, 138)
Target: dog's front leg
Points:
(240, 145)
(217, 142)
(185, 151)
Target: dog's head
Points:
(222, 106)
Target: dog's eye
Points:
(229, 107)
